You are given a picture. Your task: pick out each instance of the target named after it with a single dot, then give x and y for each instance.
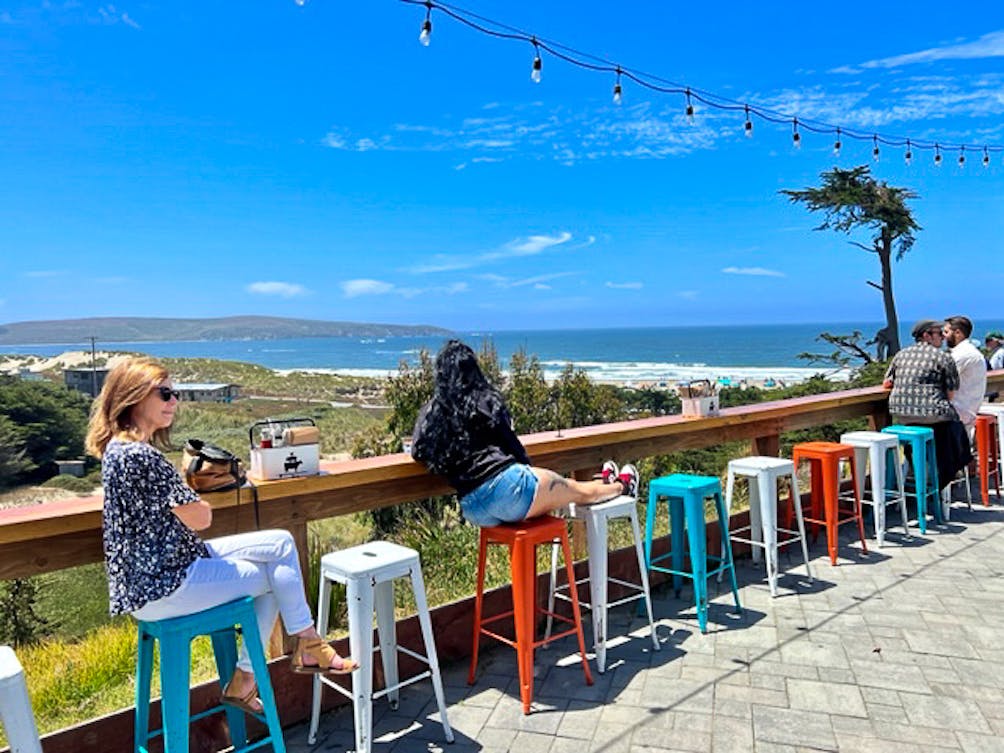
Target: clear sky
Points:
(217, 158)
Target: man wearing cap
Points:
(972, 368)
(995, 349)
(924, 380)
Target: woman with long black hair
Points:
(465, 434)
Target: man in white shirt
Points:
(972, 368)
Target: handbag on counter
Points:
(210, 468)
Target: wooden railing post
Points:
(879, 419)
(769, 445)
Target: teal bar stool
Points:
(686, 495)
(175, 636)
(920, 439)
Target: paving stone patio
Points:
(900, 650)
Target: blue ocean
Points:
(635, 355)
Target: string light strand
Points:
(587, 61)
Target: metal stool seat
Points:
(686, 494)
(920, 441)
(824, 460)
(368, 572)
(597, 518)
(763, 474)
(879, 451)
(522, 540)
(175, 636)
(15, 705)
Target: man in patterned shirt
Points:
(924, 380)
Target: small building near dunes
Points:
(89, 381)
(208, 392)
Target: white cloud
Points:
(541, 286)
(334, 140)
(689, 295)
(625, 285)
(45, 273)
(111, 15)
(536, 280)
(910, 100)
(537, 243)
(281, 289)
(988, 46)
(518, 247)
(753, 271)
(353, 288)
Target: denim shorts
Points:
(504, 498)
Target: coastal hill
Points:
(148, 329)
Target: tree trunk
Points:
(891, 319)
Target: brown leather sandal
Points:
(244, 703)
(327, 659)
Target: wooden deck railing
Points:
(63, 534)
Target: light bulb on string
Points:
(937, 155)
(908, 156)
(426, 36)
(617, 88)
(690, 109)
(837, 145)
(986, 157)
(538, 64)
(962, 156)
(748, 126)
(875, 148)
(796, 137)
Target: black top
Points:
(147, 547)
(482, 448)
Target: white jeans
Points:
(262, 564)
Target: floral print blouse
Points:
(147, 548)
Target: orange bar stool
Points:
(824, 460)
(523, 538)
(988, 452)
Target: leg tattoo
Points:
(554, 481)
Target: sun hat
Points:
(994, 335)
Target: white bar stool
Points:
(368, 572)
(15, 705)
(881, 450)
(597, 519)
(763, 473)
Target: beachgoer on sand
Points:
(465, 434)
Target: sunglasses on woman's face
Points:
(166, 393)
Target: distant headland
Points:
(148, 329)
